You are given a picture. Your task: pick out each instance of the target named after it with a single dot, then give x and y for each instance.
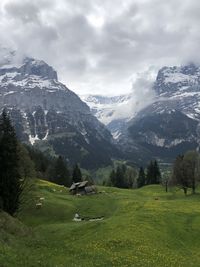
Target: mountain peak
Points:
(47, 114)
(175, 79)
(39, 68)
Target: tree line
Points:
(127, 177)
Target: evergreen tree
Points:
(11, 186)
(43, 164)
(120, 177)
(157, 174)
(76, 175)
(61, 174)
(130, 178)
(150, 173)
(141, 178)
(112, 178)
(153, 173)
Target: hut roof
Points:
(82, 184)
(79, 185)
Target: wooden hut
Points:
(82, 188)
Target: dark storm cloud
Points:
(97, 46)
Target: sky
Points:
(103, 46)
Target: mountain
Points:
(48, 115)
(110, 111)
(171, 124)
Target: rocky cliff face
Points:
(47, 114)
(171, 124)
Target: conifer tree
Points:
(120, 176)
(150, 173)
(77, 175)
(112, 178)
(141, 178)
(153, 173)
(11, 186)
(157, 174)
(61, 174)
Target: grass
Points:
(145, 227)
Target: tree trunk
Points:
(193, 187)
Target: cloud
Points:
(141, 96)
(142, 90)
(97, 46)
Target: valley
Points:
(142, 227)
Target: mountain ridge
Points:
(45, 110)
(170, 125)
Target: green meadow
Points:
(142, 227)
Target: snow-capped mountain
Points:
(171, 124)
(111, 111)
(46, 113)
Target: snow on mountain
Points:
(112, 111)
(44, 110)
(106, 108)
(170, 125)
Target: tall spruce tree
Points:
(76, 175)
(61, 174)
(11, 186)
(141, 180)
(120, 176)
(157, 174)
(112, 178)
(150, 173)
(153, 173)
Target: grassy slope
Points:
(137, 231)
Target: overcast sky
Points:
(99, 46)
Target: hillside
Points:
(144, 227)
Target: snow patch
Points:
(47, 133)
(32, 139)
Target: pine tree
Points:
(77, 175)
(120, 177)
(153, 173)
(157, 174)
(150, 173)
(131, 178)
(61, 174)
(10, 180)
(141, 178)
(112, 178)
